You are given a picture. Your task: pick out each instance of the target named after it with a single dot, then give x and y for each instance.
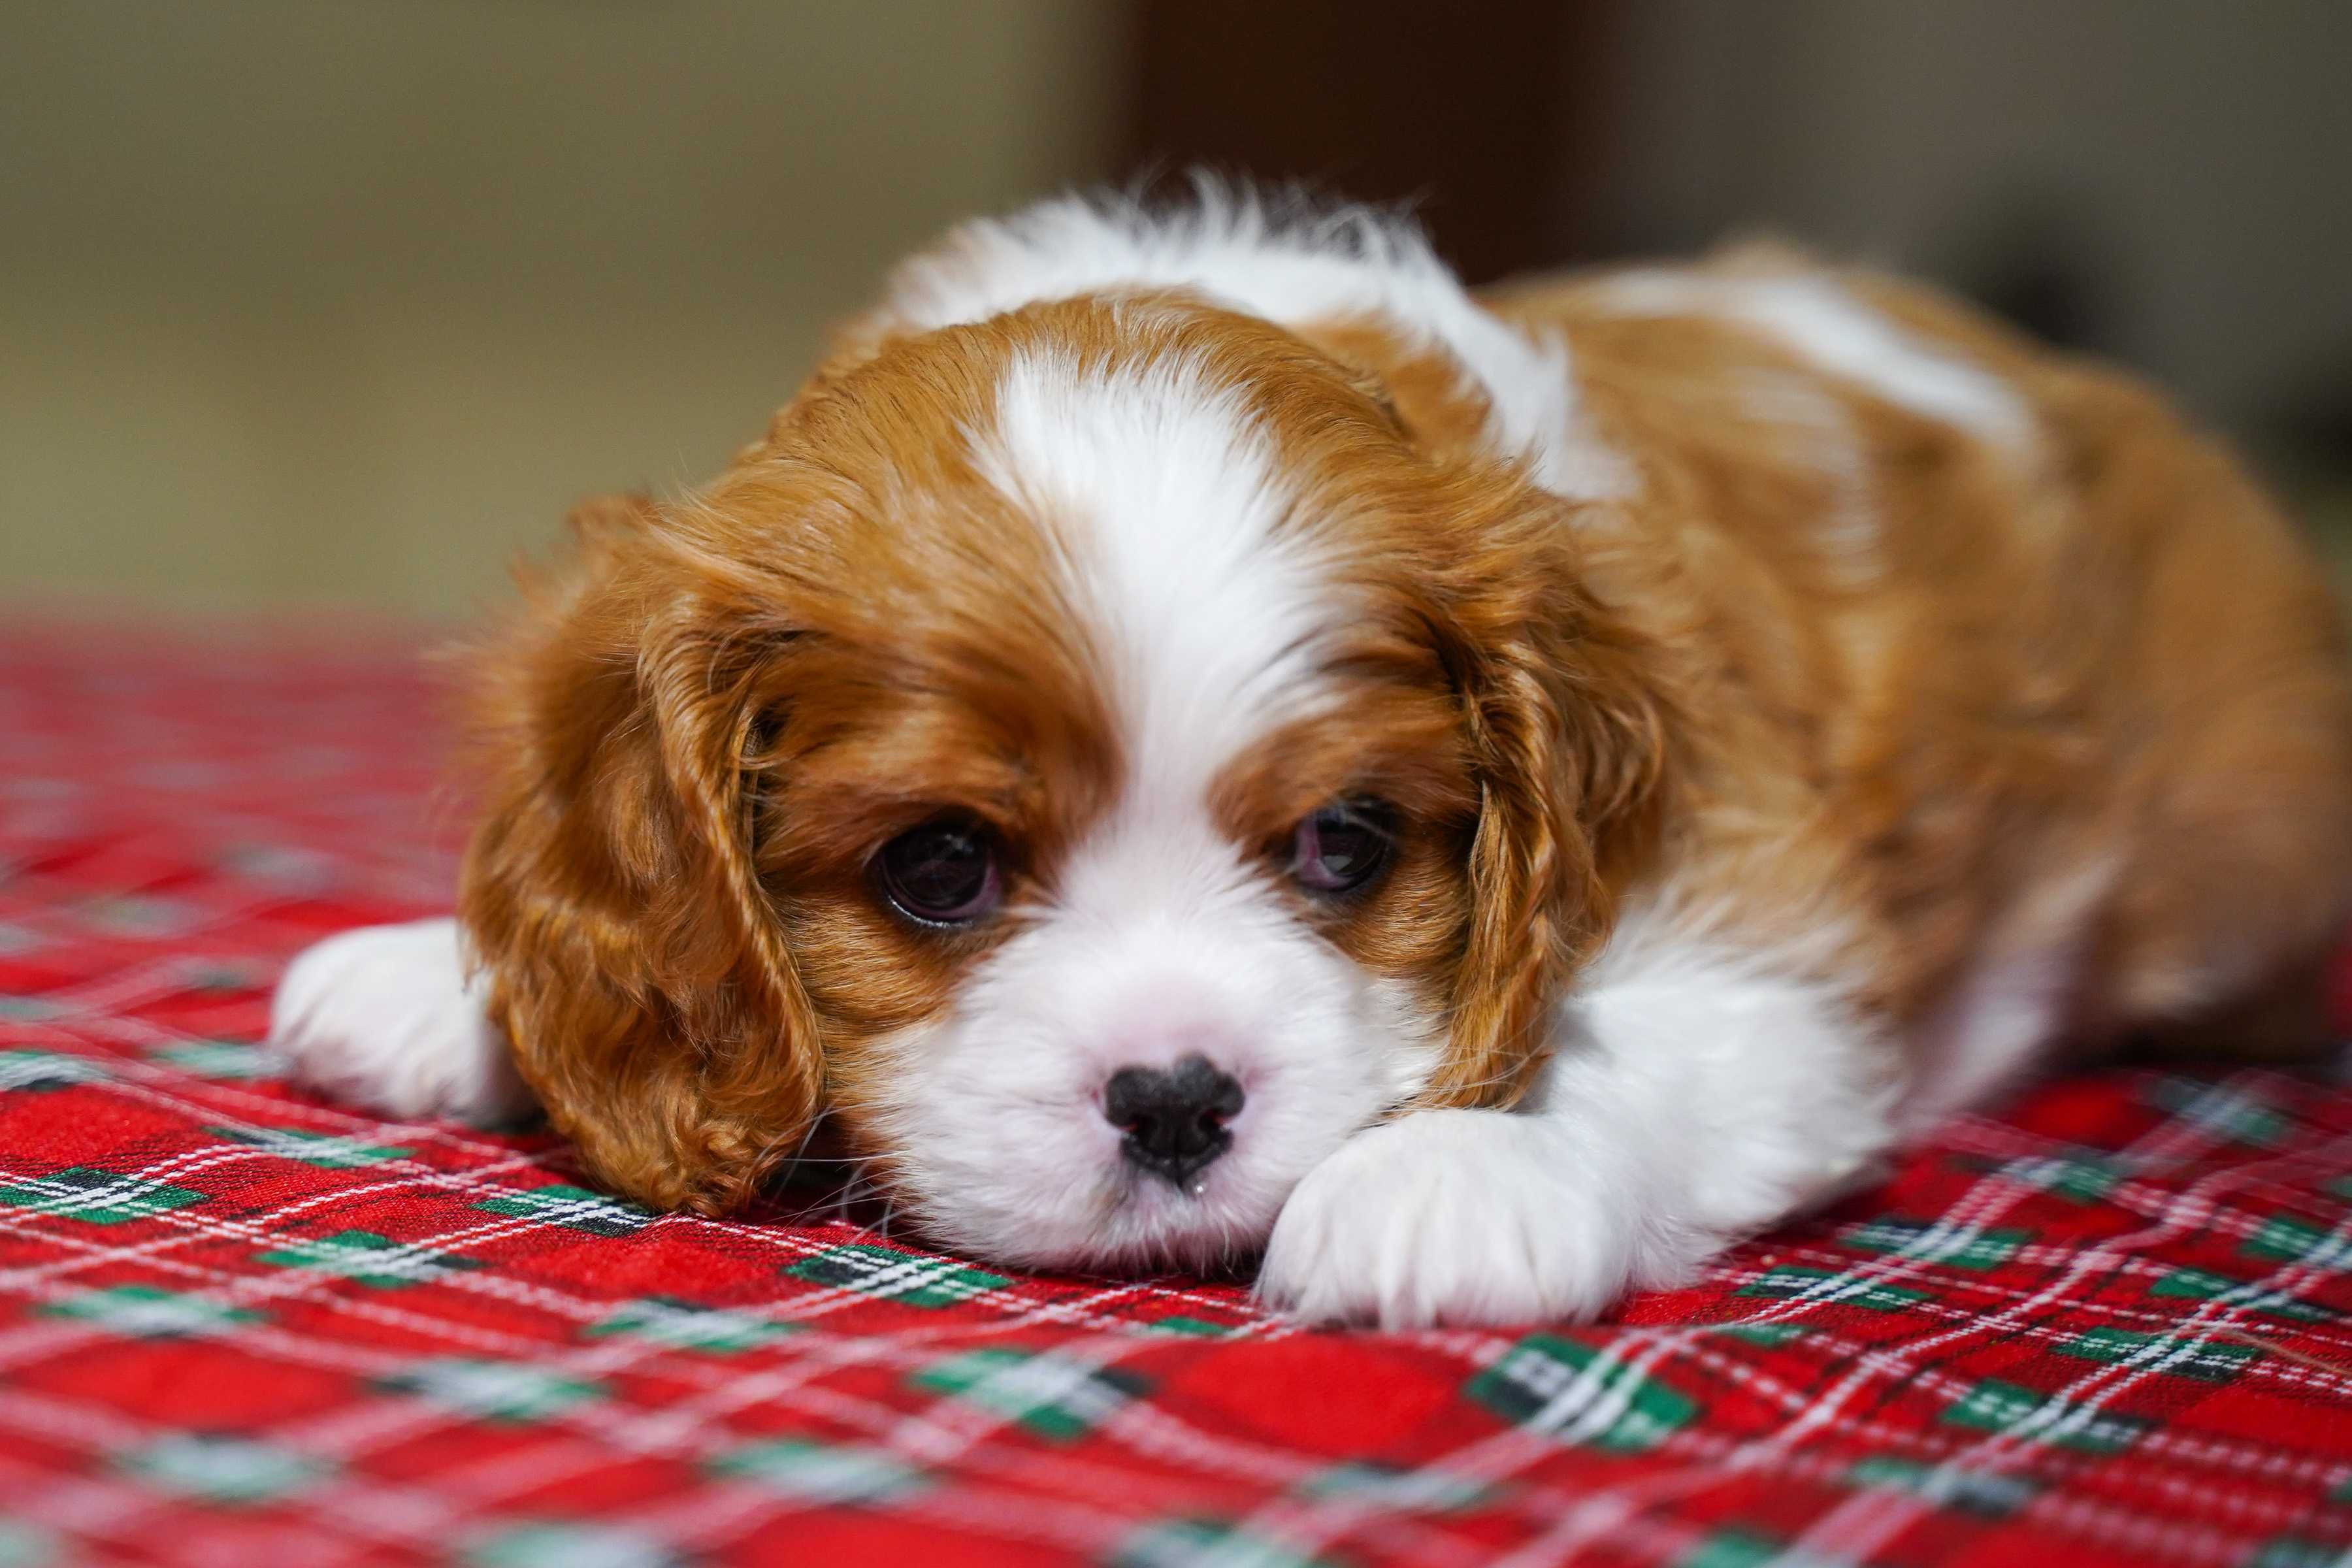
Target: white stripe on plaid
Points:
(1601, 1520)
(1863, 1523)
(2158, 1142)
(504, 1158)
(676, 1432)
(278, 1108)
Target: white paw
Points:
(1451, 1216)
(385, 1017)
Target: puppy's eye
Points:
(1341, 847)
(943, 873)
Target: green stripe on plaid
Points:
(97, 1197)
(492, 1390)
(324, 1149)
(2283, 1239)
(1046, 1393)
(142, 1311)
(1993, 1405)
(22, 1546)
(221, 1059)
(2203, 1285)
(2079, 1178)
(1961, 1246)
(365, 1257)
(689, 1326)
(557, 1545)
(1198, 1328)
(2296, 1552)
(2207, 1362)
(575, 1208)
(1789, 1279)
(28, 1009)
(1987, 1496)
(1208, 1543)
(822, 1472)
(1551, 1385)
(134, 915)
(227, 977)
(1766, 1334)
(1734, 1549)
(224, 1469)
(2225, 1112)
(895, 1276)
(38, 1072)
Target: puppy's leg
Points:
(387, 1018)
(1694, 1097)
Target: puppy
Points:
(1194, 734)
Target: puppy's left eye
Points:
(1341, 847)
(943, 873)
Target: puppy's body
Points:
(1777, 705)
(1976, 651)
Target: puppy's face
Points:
(1094, 757)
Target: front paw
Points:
(385, 1017)
(1450, 1217)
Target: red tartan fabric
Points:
(239, 1326)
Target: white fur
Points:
(388, 1017)
(2010, 1002)
(1162, 938)
(1291, 263)
(1817, 319)
(1697, 1093)
(1167, 506)
(1699, 1089)
(1848, 529)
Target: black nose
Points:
(1175, 1117)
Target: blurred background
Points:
(335, 306)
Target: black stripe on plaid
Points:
(1563, 1387)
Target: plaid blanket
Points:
(240, 1326)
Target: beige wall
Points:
(320, 302)
(343, 301)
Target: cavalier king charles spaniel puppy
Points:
(1194, 736)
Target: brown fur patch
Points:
(2105, 652)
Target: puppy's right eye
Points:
(943, 873)
(1342, 847)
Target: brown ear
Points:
(1568, 737)
(636, 964)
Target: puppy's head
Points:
(1097, 756)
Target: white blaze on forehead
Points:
(1168, 504)
(1161, 939)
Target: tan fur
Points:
(2105, 655)
(2095, 681)
(696, 741)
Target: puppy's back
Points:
(1979, 637)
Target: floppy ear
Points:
(1569, 738)
(636, 964)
